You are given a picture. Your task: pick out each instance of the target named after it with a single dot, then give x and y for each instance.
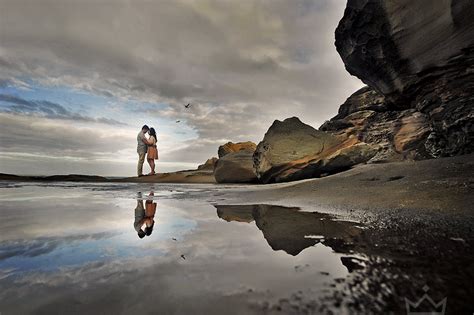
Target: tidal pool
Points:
(75, 248)
(113, 249)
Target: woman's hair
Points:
(153, 133)
(149, 229)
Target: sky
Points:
(78, 78)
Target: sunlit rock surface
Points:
(231, 147)
(398, 134)
(292, 150)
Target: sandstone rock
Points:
(420, 56)
(364, 99)
(231, 147)
(292, 150)
(208, 165)
(235, 167)
(286, 142)
(399, 134)
(347, 157)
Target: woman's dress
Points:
(152, 153)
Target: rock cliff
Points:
(418, 58)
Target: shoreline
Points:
(443, 184)
(187, 176)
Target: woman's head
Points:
(149, 229)
(152, 132)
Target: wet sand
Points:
(444, 185)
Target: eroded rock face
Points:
(292, 150)
(420, 56)
(393, 45)
(398, 134)
(208, 165)
(236, 167)
(231, 147)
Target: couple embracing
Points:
(146, 147)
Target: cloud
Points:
(241, 64)
(269, 52)
(55, 138)
(41, 108)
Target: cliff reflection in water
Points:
(292, 230)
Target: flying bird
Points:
(182, 256)
(187, 106)
(178, 121)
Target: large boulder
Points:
(231, 147)
(418, 55)
(236, 167)
(399, 134)
(292, 150)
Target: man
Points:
(141, 149)
(139, 216)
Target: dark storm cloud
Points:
(17, 105)
(241, 63)
(221, 52)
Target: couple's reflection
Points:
(145, 215)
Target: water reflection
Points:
(144, 216)
(87, 260)
(292, 230)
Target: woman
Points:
(152, 153)
(150, 210)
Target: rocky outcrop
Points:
(209, 165)
(235, 163)
(398, 134)
(292, 150)
(236, 167)
(419, 57)
(231, 147)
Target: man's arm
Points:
(144, 139)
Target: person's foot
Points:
(140, 175)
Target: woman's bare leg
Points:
(152, 166)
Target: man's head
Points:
(145, 128)
(141, 233)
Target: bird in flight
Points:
(187, 106)
(178, 121)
